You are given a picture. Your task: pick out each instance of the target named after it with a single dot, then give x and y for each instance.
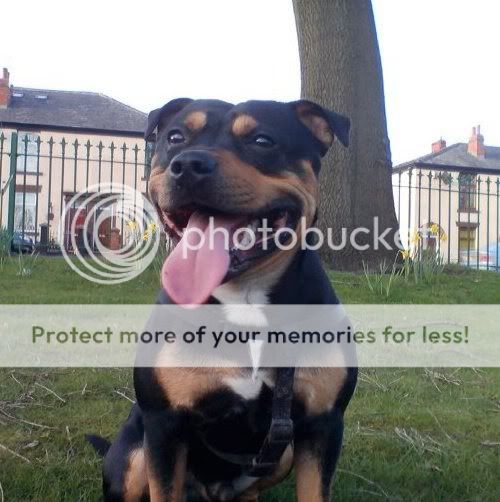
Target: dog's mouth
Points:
(212, 246)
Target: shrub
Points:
(5, 240)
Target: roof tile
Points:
(456, 156)
(70, 109)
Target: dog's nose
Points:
(192, 166)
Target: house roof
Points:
(455, 157)
(71, 110)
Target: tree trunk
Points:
(341, 69)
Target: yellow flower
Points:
(152, 228)
(146, 235)
(434, 228)
(132, 224)
(405, 253)
(416, 237)
(443, 237)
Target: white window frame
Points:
(31, 151)
(30, 199)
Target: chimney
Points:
(439, 145)
(4, 89)
(476, 143)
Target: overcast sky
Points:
(440, 57)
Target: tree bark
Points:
(341, 69)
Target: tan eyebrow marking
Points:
(196, 120)
(243, 124)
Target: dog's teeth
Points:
(253, 225)
(245, 240)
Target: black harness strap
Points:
(280, 433)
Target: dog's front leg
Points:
(317, 447)
(166, 456)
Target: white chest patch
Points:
(235, 294)
(245, 315)
(243, 305)
(247, 388)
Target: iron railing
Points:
(455, 212)
(38, 176)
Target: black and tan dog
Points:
(238, 164)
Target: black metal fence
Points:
(40, 175)
(454, 212)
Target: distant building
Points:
(103, 141)
(457, 188)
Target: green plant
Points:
(26, 263)
(429, 265)
(423, 265)
(381, 280)
(5, 239)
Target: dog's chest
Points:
(249, 386)
(238, 414)
(241, 393)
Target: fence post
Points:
(12, 180)
(2, 140)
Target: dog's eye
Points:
(263, 141)
(175, 137)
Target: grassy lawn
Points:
(411, 434)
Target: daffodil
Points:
(152, 228)
(405, 253)
(132, 224)
(416, 237)
(434, 228)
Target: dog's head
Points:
(241, 166)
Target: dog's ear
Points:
(161, 115)
(323, 123)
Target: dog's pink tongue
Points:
(193, 270)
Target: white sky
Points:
(440, 57)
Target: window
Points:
(31, 149)
(29, 212)
(466, 241)
(467, 189)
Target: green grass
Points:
(411, 434)
(53, 281)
